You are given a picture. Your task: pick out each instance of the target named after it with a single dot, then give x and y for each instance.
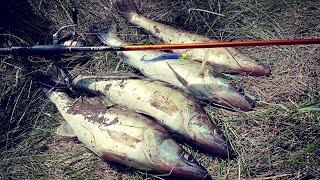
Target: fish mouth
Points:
(235, 100)
(222, 148)
(254, 69)
(189, 169)
(246, 65)
(216, 145)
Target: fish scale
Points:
(132, 140)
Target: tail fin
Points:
(125, 7)
(48, 81)
(52, 82)
(110, 38)
(49, 86)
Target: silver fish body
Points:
(201, 81)
(168, 105)
(125, 137)
(222, 59)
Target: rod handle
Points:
(41, 50)
(5, 51)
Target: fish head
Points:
(234, 100)
(126, 8)
(180, 163)
(238, 62)
(223, 94)
(205, 134)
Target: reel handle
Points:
(74, 15)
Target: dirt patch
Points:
(162, 102)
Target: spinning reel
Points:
(72, 39)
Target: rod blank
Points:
(222, 44)
(47, 50)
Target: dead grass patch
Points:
(280, 139)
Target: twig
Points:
(65, 10)
(210, 12)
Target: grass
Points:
(279, 140)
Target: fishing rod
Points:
(55, 49)
(59, 47)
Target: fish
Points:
(169, 106)
(123, 137)
(229, 60)
(208, 86)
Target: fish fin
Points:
(124, 58)
(106, 100)
(109, 38)
(116, 69)
(233, 57)
(230, 76)
(65, 130)
(180, 78)
(202, 69)
(49, 80)
(125, 7)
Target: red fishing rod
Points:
(48, 50)
(221, 44)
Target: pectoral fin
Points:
(180, 78)
(65, 130)
(202, 69)
(106, 100)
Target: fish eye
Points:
(188, 157)
(241, 91)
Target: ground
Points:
(278, 140)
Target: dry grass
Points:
(280, 139)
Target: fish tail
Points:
(49, 81)
(47, 91)
(110, 38)
(125, 7)
(54, 94)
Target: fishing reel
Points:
(72, 39)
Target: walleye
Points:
(208, 85)
(171, 107)
(124, 137)
(222, 59)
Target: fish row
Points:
(131, 121)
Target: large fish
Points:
(170, 106)
(222, 59)
(124, 137)
(208, 85)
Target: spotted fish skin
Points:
(170, 106)
(201, 81)
(125, 137)
(222, 59)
